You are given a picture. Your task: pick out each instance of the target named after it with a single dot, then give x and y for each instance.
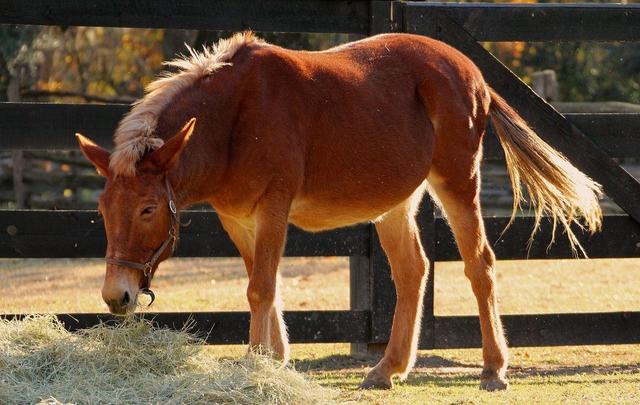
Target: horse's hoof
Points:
(494, 384)
(374, 381)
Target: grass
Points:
(595, 374)
(549, 375)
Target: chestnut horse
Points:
(324, 140)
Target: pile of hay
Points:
(134, 363)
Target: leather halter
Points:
(147, 267)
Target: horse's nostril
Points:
(125, 299)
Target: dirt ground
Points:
(534, 286)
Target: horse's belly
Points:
(340, 195)
(315, 216)
(335, 208)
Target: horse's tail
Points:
(555, 187)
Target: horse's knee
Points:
(409, 278)
(480, 271)
(260, 295)
(482, 279)
(488, 256)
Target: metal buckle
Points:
(172, 207)
(147, 269)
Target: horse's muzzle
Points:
(121, 305)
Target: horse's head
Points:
(140, 218)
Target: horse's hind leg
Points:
(459, 198)
(400, 240)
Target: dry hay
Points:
(41, 362)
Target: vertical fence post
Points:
(373, 289)
(360, 296)
(427, 222)
(383, 295)
(371, 285)
(384, 16)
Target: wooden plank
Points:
(383, 292)
(39, 126)
(353, 326)
(383, 17)
(52, 126)
(617, 134)
(233, 327)
(70, 234)
(623, 188)
(344, 16)
(428, 235)
(543, 330)
(359, 295)
(534, 22)
(57, 234)
(620, 237)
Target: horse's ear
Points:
(97, 155)
(168, 155)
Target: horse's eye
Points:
(148, 210)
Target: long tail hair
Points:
(555, 187)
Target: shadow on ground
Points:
(444, 372)
(346, 362)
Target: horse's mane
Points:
(135, 133)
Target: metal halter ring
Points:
(147, 291)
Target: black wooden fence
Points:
(589, 140)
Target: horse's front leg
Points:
(243, 236)
(267, 329)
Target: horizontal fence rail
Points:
(542, 330)
(354, 326)
(33, 126)
(51, 234)
(532, 22)
(486, 22)
(69, 234)
(617, 134)
(339, 16)
(232, 327)
(52, 126)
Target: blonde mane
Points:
(134, 135)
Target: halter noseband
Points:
(147, 268)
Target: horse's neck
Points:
(203, 161)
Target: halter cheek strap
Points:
(148, 266)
